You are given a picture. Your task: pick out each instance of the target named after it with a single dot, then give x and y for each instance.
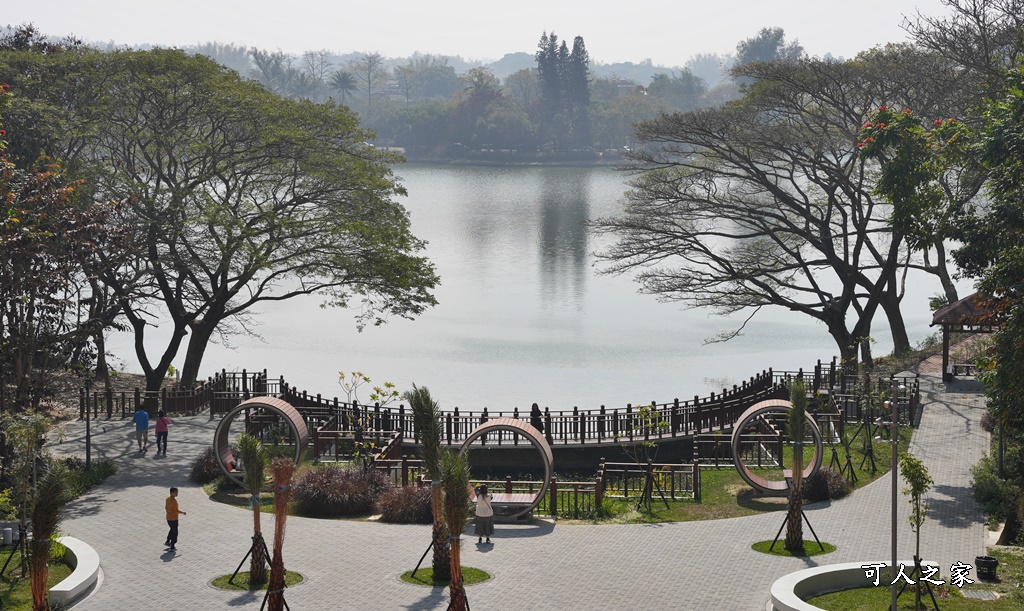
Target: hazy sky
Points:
(666, 32)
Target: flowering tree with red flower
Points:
(926, 174)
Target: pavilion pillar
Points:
(946, 375)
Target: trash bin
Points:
(986, 567)
(8, 536)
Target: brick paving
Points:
(355, 565)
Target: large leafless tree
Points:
(763, 202)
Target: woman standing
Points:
(161, 432)
(484, 513)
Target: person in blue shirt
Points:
(141, 421)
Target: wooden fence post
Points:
(553, 499)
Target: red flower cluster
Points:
(4, 87)
(937, 122)
(879, 125)
(3, 132)
(907, 111)
(868, 140)
(883, 108)
(867, 125)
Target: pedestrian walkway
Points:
(356, 564)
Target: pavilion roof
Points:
(967, 311)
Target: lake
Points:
(523, 316)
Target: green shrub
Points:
(999, 496)
(333, 491)
(204, 467)
(8, 509)
(405, 505)
(825, 485)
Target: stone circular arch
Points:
(222, 445)
(536, 439)
(762, 485)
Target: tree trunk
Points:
(897, 327)
(201, 332)
(258, 562)
(458, 592)
(794, 516)
(39, 573)
(442, 555)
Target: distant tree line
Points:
(559, 104)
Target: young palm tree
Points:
(797, 430)
(344, 82)
(455, 480)
(426, 414)
(281, 469)
(46, 516)
(254, 458)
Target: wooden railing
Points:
(333, 420)
(626, 480)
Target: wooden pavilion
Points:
(968, 315)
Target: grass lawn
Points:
(425, 577)
(724, 494)
(950, 598)
(16, 591)
(241, 581)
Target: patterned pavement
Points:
(355, 564)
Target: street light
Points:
(88, 421)
(894, 414)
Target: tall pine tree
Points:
(577, 80)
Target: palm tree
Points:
(254, 458)
(797, 430)
(455, 480)
(426, 414)
(51, 496)
(344, 82)
(281, 469)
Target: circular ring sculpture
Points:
(760, 484)
(222, 445)
(535, 437)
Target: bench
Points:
(963, 369)
(85, 565)
(791, 592)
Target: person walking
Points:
(484, 513)
(171, 505)
(141, 422)
(162, 421)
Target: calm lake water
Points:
(523, 315)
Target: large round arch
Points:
(222, 445)
(536, 439)
(758, 483)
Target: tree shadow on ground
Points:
(749, 499)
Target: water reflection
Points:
(564, 262)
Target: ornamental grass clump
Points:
(332, 491)
(406, 505)
(827, 484)
(204, 468)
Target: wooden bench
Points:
(85, 565)
(964, 369)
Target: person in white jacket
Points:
(484, 513)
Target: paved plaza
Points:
(355, 564)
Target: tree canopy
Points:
(234, 195)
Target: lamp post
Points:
(88, 421)
(894, 467)
(894, 414)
